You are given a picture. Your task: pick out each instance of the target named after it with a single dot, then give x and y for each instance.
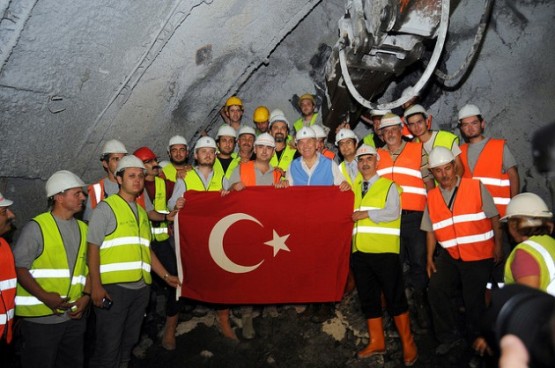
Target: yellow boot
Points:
(376, 345)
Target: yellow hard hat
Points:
(233, 101)
(261, 114)
(307, 96)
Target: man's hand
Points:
(79, 307)
(343, 125)
(344, 186)
(97, 294)
(239, 186)
(55, 302)
(171, 216)
(360, 215)
(179, 203)
(497, 254)
(282, 184)
(172, 281)
(430, 267)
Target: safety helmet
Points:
(276, 112)
(176, 139)
(113, 146)
(307, 96)
(345, 133)
(226, 131)
(366, 150)
(527, 205)
(205, 142)
(5, 202)
(63, 180)
(305, 132)
(261, 114)
(233, 101)
(265, 139)
(469, 110)
(379, 112)
(319, 131)
(144, 154)
(278, 115)
(390, 119)
(129, 161)
(440, 156)
(415, 109)
(245, 129)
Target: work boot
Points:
(225, 325)
(410, 352)
(376, 343)
(246, 321)
(168, 339)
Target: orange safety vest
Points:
(405, 172)
(8, 283)
(465, 232)
(327, 153)
(248, 174)
(96, 193)
(489, 170)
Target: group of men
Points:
(410, 194)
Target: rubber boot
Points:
(376, 345)
(225, 325)
(246, 319)
(410, 353)
(168, 340)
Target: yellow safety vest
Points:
(194, 182)
(299, 124)
(160, 232)
(346, 174)
(170, 172)
(285, 160)
(232, 165)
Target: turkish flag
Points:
(264, 245)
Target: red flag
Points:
(265, 245)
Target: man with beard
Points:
(245, 143)
(226, 159)
(309, 117)
(232, 112)
(178, 153)
(261, 119)
(53, 283)
(279, 129)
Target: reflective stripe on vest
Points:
(125, 253)
(465, 232)
(51, 270)
(8, 283)
(160, 232)
(368, 236)
(489, 170)
(285, 159)
(194, 182)
(445, 139)
(96, 193)
(405, 172)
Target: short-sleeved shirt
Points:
(110, 188)
(266, 178)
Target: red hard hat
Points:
(144, 153)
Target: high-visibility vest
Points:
(327, 153)
(285, 160)
(369, 236)
(542, 249)
(489, 170)
(96, 193)
(170, 173)
(345, 172)
(299, 124)
(232, 165)
(369, 140)
(8, 282)
(248, 174)
(443, 139)
(465, 232)
(405, 172)
(125, 253)
(160, 232)
(194, 182)
(51, 270)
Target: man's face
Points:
(472, 127)
(133, 181)
(113, 159)
(6, 219)
(367, 165)
(392, 135)
(307, 107)
(235, 113)
(307, 147)
(71, 199)
(226, 145)
(263, 127)
(320, 144)
(279, 131)
(246, 142)
(263, 153)
(417, 124)
(205, 156)
(152, 167)
(347, 147)
(376, 121)
(445, 175)
(178, 154)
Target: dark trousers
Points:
(377, 273)
(118, 328)
(413, 249)
(166, 255)
(453, 275)
(57, 345)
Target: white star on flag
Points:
(278, 243)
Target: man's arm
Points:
(514, 179)
(52, 299)
(430, 249)
(498, 237)
(97, 290)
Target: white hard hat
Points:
(63, 180)
(527, 205)
(276, 112)
(469, 110)
(319, 131)
(279, 117)
(5, 202)
(345, 133)
(245, 129)
(415, 109)
(390, 119)
(113, 146)
(129, 161)
(265, 139)
(226, 131)
(379, 112)
(366, 150)
(440, 156)
(305, 132)
(176, 139)
(205, 142)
